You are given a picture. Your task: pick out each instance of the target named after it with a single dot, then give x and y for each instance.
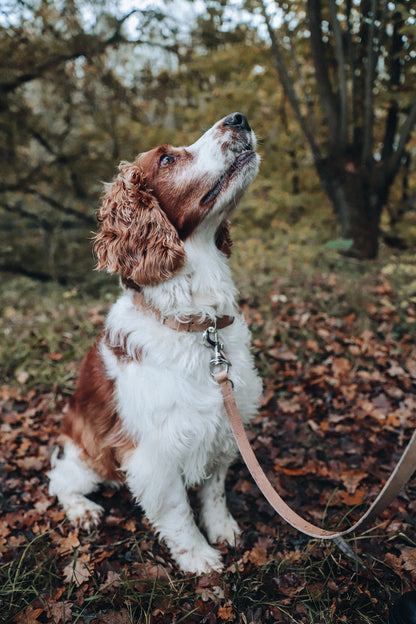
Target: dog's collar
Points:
(188, 324)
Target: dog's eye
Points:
(166, 160)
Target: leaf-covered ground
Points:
(338, 359)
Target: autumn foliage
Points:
(337, 409)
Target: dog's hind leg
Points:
(70, 481)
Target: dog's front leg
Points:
(216, 519)
(160, 490)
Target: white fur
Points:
(169, 404)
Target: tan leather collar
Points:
(191, 323)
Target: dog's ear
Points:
(223, 238)
(136, 239)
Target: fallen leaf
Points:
(351, 479)
(258, 555)
(55, 357)
(115, 617)
(78, 571)
(225, 612)
(22, 377)
(60, 612)
(351, 500)
(30, 616)
(408, 558)
(290, 584)
(130, 525)
(66, 542)
(396, 371)
(282, 354)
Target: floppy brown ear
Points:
(136, 238)
(223, 238)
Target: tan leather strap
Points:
(191, 323)
(400, 475)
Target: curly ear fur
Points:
(136, 238)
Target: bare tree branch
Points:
(326, 94)
(368, 103)
(301, 81)
(51, 201)
(392, 119)
(404, 136)
(17, 208)
(342, 77)
(287, 84)
(21, 182)
(80, 44)
(353, 68)
(41, 276)
(56, 205)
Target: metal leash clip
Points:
(218, 362)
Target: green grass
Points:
(31, 574)
(46, 328)
(313, 584)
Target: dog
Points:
(146, 411)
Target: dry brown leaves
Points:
(337, 409)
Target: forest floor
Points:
(336, 347)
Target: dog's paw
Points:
(84, 513)
(199, 560)
(225, 531)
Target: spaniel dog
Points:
(147, 411)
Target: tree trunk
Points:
(358, 195)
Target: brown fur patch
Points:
(178, 194)
(119, 348)
(92, 421)
(223, 239)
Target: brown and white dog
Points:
(146, 410)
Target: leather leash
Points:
(400, 475)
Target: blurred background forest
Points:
(328, 87)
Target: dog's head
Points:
(158, 201)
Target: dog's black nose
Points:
(238, 120)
